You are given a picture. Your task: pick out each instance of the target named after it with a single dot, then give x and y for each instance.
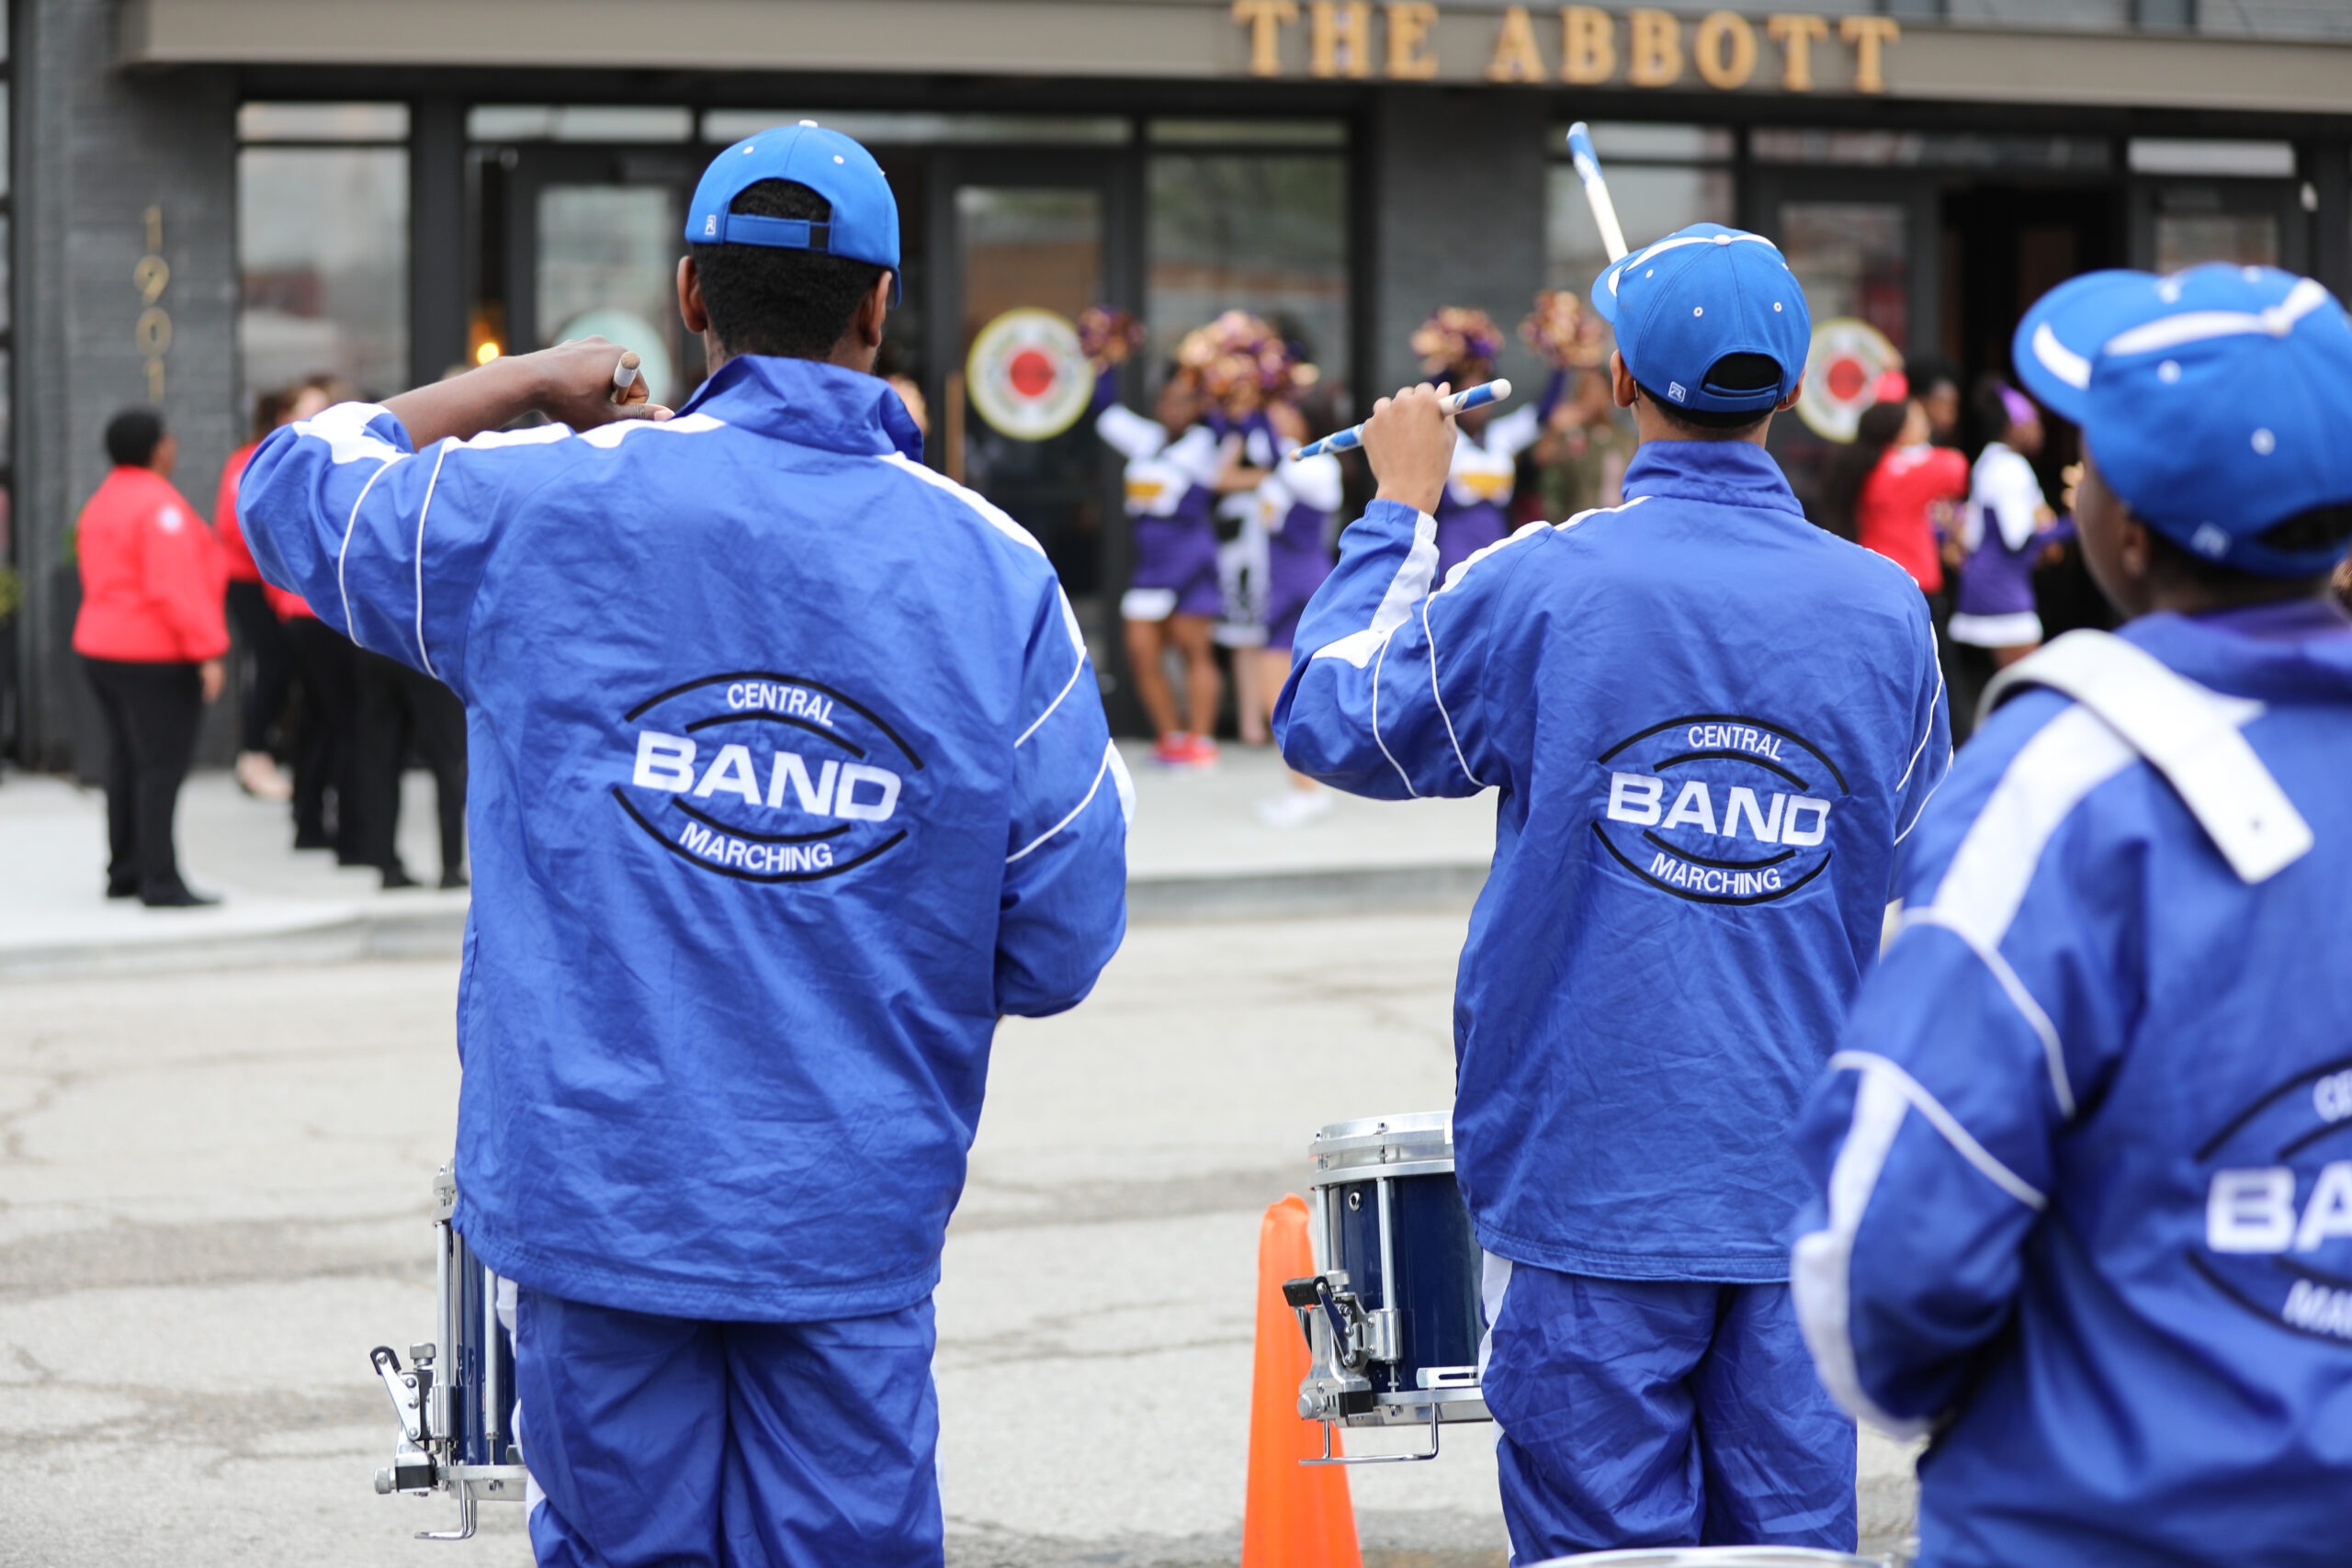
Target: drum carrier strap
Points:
(2187, 732)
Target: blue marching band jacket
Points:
(789, 776)
(1689, 882)
(2087, 1148)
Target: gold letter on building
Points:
(1796, 35)
(1867, 34)
(1266, 19)
(1588, 45)
(1409, 22)
(1516, 57)
(1328, 25)
(1724, 50)
(1653, 48)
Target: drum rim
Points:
(1409, 1126)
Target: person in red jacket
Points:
(151, 633)
(259, 626)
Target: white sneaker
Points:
(1294, 807)
(258, 775)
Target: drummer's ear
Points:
(691, 310)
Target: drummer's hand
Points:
(571, 383)
(575, 382)
(1410, 444)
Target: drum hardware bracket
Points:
(407, 1388)
(1330, 1457)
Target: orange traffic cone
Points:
(1298, 1515)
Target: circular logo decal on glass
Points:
(1841, 376)
(1028, 376)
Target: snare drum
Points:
(1392, 1318)
(456, 1398)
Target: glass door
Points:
(1031, 232)
(1860, 244)
(594, 242)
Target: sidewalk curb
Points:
(347, 938)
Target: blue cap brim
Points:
(2060, 336)
(1604, 299)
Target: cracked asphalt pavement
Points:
(215, 1197)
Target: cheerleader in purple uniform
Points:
(1458, 346)
(1297, 505)
(1173, 466)
(1994, 620)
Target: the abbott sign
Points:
(1401, 40)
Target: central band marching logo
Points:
(767, 777)
(1718, 809)
(2277, 1232)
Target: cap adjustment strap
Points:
(785, 233)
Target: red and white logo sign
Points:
(1841, 376)
(1028, 376)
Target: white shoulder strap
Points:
(2187, 732)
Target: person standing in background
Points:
(1458, 346)
(1936, 385)
(398, 707)
(326, 698)
(151, 633)
(1993, 613)
(1297, 502)
(257, 623)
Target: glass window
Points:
(1912, 149)
(2244, 160)
(1652, 202)
(323, 122)
(1658, 144)
(579, 122)
(608, 267)
(1260, 132)
(2186, 239)
(1853, 259)
(725, 127)
(322, 256)
(1265, 233)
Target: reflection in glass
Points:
(1664, 143)
(323, 122)
(579, 122)
(2185, 238)
(322, 258)
(1914, 149)
(1266, 234)
(1650, 204)
(2244, 159)
(1852, 260)
(724, 127)
(607, 266)
(1248, 132)
(1040, 247)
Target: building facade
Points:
(212, 198)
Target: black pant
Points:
(151, 712)
(329, 697)
(262, 637)
(400, 707)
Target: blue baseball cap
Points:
(2216, 402)
(864, 225)
(1682, 304)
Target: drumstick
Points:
(1348, 440)
(1596, 189)
(625, 375)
